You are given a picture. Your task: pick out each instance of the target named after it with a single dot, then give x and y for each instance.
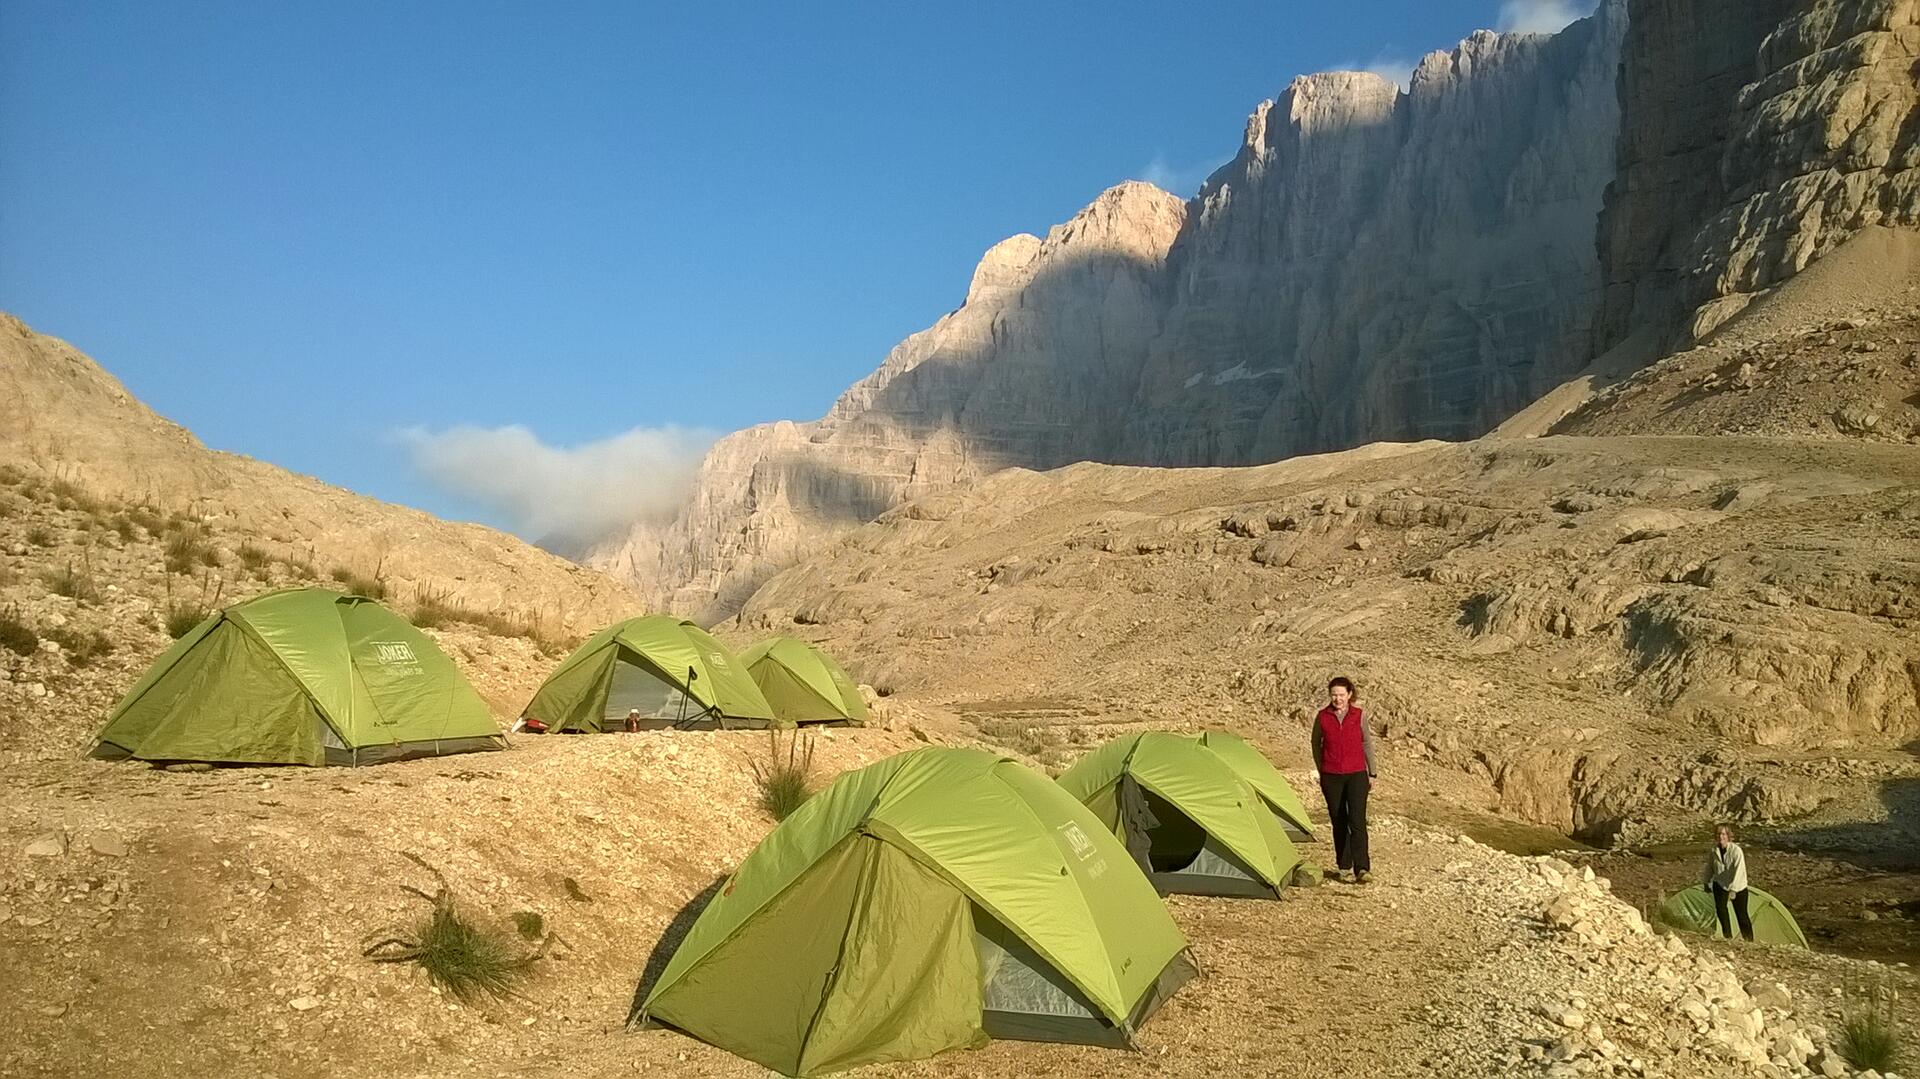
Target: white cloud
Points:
(1541, 16)
(565, 497)
(1182, 180)
(1397, 70)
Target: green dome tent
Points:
(668, 669)
(1186, 816)
(923, 903)
(804, 684)
(300, 676)
(1691, 909)
(1260, 774)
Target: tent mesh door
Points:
(635, 687)
(1023, 997)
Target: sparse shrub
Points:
(124, 527)
(182, 619)
(182, 616)
(185, 550)
(210, 557)
(461, 957)
(68, 495)
(434, 608)
(371, 587)
(16, 635)
(147, 519)
(784, 777)
(74, 584)
(81, 648)
(41, 536)
(11, 476)
(253, 556)
(1868, 1038)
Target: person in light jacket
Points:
(1725, 877)
(1343, 754)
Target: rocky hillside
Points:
(118, 529)
(1373, 264)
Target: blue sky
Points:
(304, 231)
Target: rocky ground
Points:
(213, 924)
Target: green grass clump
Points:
(459, 956)
(16, 635)
(1869, 1040)
(784, 777)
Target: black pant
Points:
(1346, 794)
(1720, 896)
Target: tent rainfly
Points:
(1185, 815)
(927, 902)
(804, 684)
(1692, 909)
(300, 676)
(1260, 774)
(667, 669)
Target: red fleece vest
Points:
(1343, 749)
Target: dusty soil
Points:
(212, 924)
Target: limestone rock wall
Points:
(1756, 136)
(1372, 264)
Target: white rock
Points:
(46, 845)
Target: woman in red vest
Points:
(1343, 752)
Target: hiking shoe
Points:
(1360, 876)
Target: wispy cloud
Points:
(565, 497)
(1395, 69)
(1541, 16)
(1183, 180)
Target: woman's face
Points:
(1723, 836)
(1341, 695)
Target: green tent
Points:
(1260, 774)
(1186, 817)
(669, 670)
(804, 684)
(1691, 909)
(923, 903)
(300, 676)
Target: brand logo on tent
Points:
(394, 652)
(717, 659)
(397, 658)
(1077, 841)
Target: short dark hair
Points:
(1341, 680)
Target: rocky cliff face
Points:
(1756, 136)
(1373, 264)
(1386, 265)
